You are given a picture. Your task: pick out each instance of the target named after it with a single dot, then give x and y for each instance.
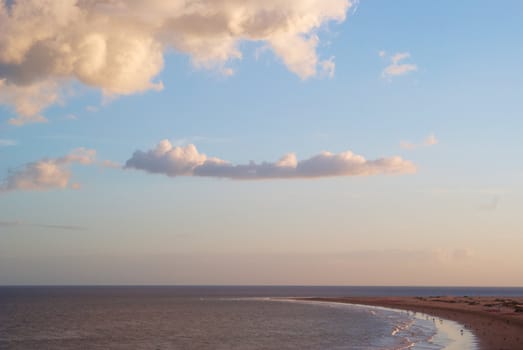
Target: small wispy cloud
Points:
(450, 256)
(110, 164)
(7, 143)
(490, 192)
(430, 140)
(75, 186)
(187, 161)
(432, 256)
(491, 205)
(59, 227)
(227, 71)
(328, 67)
(483, 199)
(71, 117)
(46, 174)
(397, 66)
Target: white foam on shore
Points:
(449, 335)
(457, 336)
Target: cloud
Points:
(110, 164)
(7, 142)
(28, 100)
(430, 140)
(118, 46)
(396, 67)
(46, 174)
(452, 255)
(393, 256)
(75, 186)
(21, 223)
(491, 205)
(187, 161)
(328, 67)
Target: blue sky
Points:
(455, 116)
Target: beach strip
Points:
(497, 322)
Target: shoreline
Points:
(496, 322)
(449, 334)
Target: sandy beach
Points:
(497, 322)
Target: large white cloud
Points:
(187, 161)
(46, 174)
(118, 45)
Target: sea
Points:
(223, 317)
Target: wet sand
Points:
(497, 322)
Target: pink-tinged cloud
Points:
(397, 67)
(47, 174)
(187, 161)
(118, 46)
(28, 100)
(110, 164)
(430, 140)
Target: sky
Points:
(318, 142)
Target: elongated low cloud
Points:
(46, 174)
(397, 65)
(118, 45)
(187, 161)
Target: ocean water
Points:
(218, 318)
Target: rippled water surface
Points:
(197, 318)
